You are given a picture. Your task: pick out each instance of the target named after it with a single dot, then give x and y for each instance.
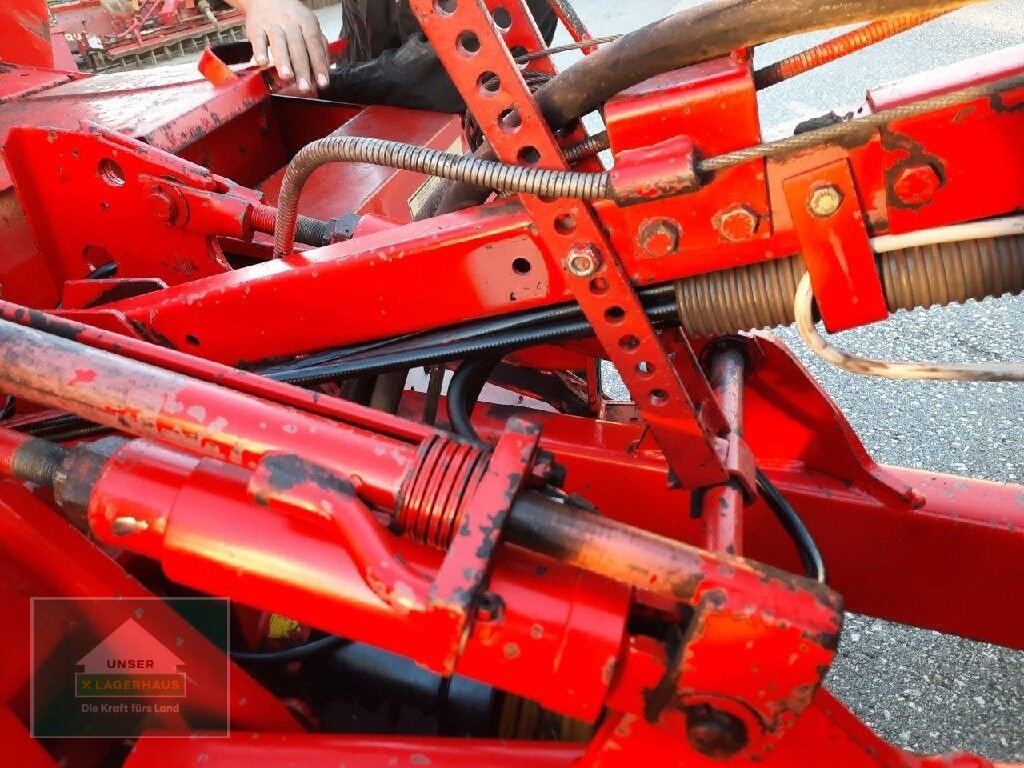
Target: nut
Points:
(825, 201)
(917, 184)
(660, 237)
(584, 260)
(737, 223)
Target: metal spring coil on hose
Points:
(390, 154)
(435, 496)
(761, 295)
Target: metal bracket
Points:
(466, 567)
(829, 221)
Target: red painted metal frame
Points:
(748, 661)
(685, 419)
(481, 245)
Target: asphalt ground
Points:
(924, 691)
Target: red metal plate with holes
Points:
(468, 562)
(828, 219)
(468, 43)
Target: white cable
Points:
(975, 230)
(803, 311)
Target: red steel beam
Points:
(196, 416)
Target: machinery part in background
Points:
(762, 295)
(357, 688)
(125, 35)
(302, 652)
(887, 369)
(838, 47)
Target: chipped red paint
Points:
(689, 636)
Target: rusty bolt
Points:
(917, 184)
(714, 733)
(660, 237)
(825, 201)
(163, 206)
(489, 608)
(584, 260)
(738, 223)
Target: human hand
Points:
(292, 34)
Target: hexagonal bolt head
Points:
(660, 237)
(163, 206)
(738, 223)
(583, 260)
(825, 201)
(917, 184)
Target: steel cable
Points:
(844, 130)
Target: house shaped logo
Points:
(130, 663)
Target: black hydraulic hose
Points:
(807, 548)
(464, 392)
(703, 32)
(432, 355)
(289, 655)
(443, 353)
(482, 330)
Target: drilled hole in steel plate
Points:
(510, 120)
(111, 172)
(529, 155)
(518, 51)
(502, 18)
(629, 343)
(658, 397)
(489, 83)
(599, 286)
(565, 224)
(615, 315)
(446, 6)
(522, 266)
(192, 341)
(469, 43)
(645, 368)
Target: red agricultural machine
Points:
(123, 34)
(214, 294)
